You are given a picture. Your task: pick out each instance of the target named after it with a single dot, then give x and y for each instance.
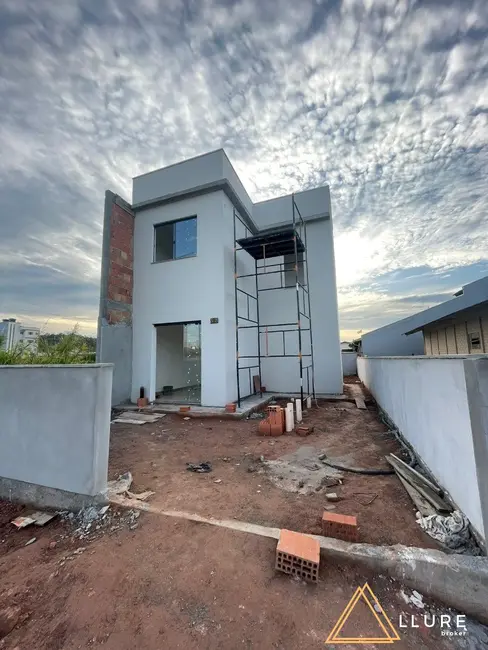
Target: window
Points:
(474, 341)
(175, 240)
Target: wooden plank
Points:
(420, 477)
(257, 383)
(127, 421)
(422, 505)
(360, 403)
(432, 497)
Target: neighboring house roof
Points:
(471, 295)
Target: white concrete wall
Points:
(202, 287)
(314, 206)
(426, 397)
(55, 426)
(177, 178)
(349, 363)
(184, 290)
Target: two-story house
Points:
(207, 297)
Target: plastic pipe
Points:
(298, 407)
(289, 417)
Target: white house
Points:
(207, 297)
(13, 333)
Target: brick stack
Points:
(299, 555)
(343, 527)
(274, 424)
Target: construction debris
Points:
(369, 501)
(303, 431)
(200, 468)
(31, 541)
(120, 485)
(360, 403)
(93, 521)
(300, 471)
(428, 491)
(131, 417)
(142, 496)
(332, 496)
(39, 518)
(22, 522)
(451, 531)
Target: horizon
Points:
(386, 102)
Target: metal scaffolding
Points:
(287, 242)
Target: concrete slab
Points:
(248, 406)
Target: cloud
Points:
(385, 101)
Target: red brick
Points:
(276, 419)
(185, 409)
(340, 526)
(264, 428)
(298, 554)
(230, 408)
(303, 431)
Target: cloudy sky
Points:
(385, 101)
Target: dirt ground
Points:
(157, 456)
(171, 583)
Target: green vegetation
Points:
(52, 349)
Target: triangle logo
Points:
(388, 631)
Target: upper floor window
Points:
(175, 240)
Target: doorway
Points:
(178, 363)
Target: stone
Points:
(332, 496)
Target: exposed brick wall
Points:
(120, 281)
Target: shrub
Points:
(70, 349)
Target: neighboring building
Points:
(391, 340)
(13, 333)
(204, 292)
(457, 326)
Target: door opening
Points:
(178, 363)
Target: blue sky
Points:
(385, 101)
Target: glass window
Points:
(175, 240)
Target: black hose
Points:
(360, 470)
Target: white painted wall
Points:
(55, 427)
(426, 397)
(202, 287)
(349, 363)
(191, 289)
(312, 204)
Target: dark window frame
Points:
(173, 223)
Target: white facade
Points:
(201, 288)
(14, 333)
